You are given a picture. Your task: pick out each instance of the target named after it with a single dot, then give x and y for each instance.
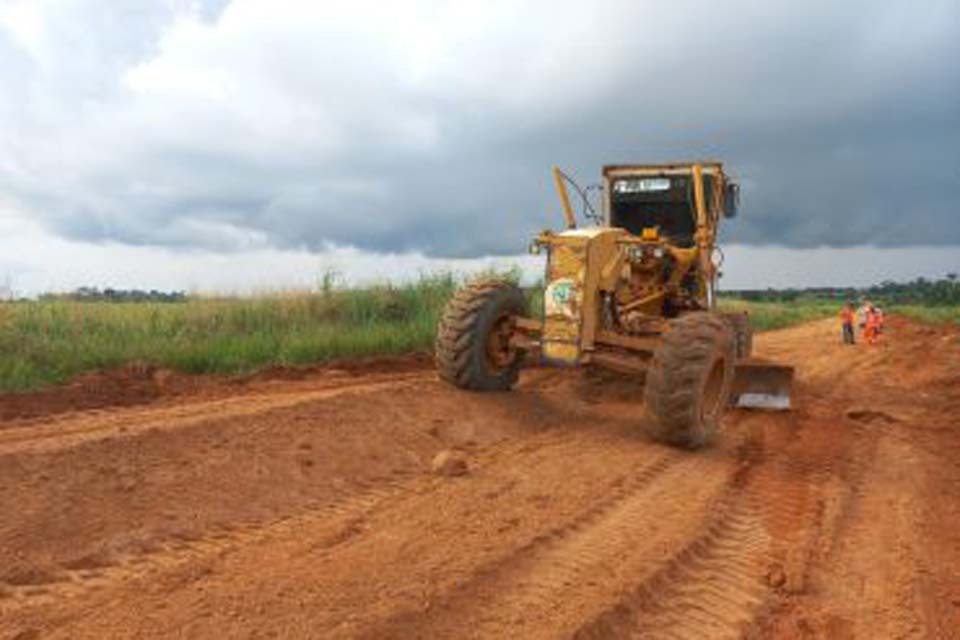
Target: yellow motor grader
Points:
(633, 293)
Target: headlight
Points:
(534, 248)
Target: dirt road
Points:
(305, 508)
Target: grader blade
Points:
(759, 384)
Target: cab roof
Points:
(683, 168)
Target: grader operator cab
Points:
(634, 294)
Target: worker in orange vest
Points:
(872, 332)
(847, 317)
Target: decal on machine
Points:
(562, 298)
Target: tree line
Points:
(943, 291)
(95, 294)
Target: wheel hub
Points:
(500, 349)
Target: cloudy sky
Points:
(216, 144)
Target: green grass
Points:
(49, 342)
(930, 314)
(766, 316)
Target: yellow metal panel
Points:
(563, 297)
(561, 351)
(567, 259)
(581, 261)
(555, 328)
(698, 195)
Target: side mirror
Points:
(731, 200)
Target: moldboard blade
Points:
(759, 384)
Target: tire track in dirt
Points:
(888, 565)
(761, 540)
(522, 591)
(124, 420)
(70, 431)
(712, 588)
(876, 568)
(811, 499)
(333, 524)
(330, 525)
(897, 582)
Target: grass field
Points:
(765, 316)
(49, 342)
(52, 341)
(931, 315)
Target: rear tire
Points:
(689, 380)
(473, 349)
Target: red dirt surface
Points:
(302, 505)
(138, 384)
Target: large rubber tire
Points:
(471, 319)
(689, 380)
(742, 334)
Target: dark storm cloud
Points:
(434, 131)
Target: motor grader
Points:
(634, 293)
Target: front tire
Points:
(689, 380)
(473, 348)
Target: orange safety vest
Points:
(847, 316)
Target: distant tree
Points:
(94, 294)
(944, 291)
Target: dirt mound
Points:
(138, 384)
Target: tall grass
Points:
(766, 316)
(52, 341)
(931, 314)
